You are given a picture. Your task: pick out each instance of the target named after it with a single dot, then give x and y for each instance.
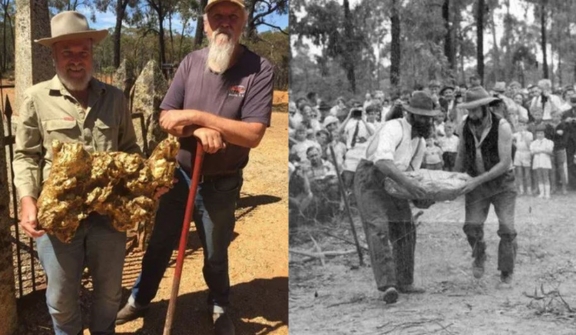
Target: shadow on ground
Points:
(260, 307)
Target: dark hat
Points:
(422, 104)
(447, 87)
(324, 106)
(475, 97)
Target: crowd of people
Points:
(328, 139)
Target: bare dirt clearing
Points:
(258, 259)
(341, 298)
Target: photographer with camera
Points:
(357, 131)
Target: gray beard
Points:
(219, 53)
(74, 84)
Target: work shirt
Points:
(49, 112)
(243, 93)
(393, 141)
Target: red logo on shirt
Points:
(237, 91)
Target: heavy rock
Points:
(147, 94)
(124, 78)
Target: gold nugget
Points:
(116, 184)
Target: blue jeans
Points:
(102, 248)
(214, 219)
(501, 193)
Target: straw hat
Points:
(422, 104)
(71, 25)
(476, 97)
(212, 3)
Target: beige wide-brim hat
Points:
(477, 96)
(212, 3)
(71, 25)
(422, 104)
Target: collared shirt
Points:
(49, 112)
(393, 141)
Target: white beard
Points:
(74, 84)
(221, 49)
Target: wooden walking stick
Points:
(196, 171)
(343, 192)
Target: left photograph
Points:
(144, 187)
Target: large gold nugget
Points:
(116, 184)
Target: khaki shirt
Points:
(49, 112)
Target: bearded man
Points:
(397, 146)
(485, 153)
(221, 96)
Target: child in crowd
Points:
(439, 125)
(432, 155)
(449, 146)
(560, 140)
(542, 150)
(523, 158)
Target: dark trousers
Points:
(390, 232)
(500, 193)
(214, 219)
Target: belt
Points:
(213, 177)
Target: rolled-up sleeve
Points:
(27, 151)
(389, 137)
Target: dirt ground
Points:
(341, 298)
(258, 259)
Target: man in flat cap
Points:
(73, 107)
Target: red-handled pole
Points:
(196, 171)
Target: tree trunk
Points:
(508, 66)
(120, 13)
(349, 49)
(448, 49)
(480, 40)
(199, 35)
(395, 52)
(171, 37)
(498, 75)
(543, 39)
(250, 29)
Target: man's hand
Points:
(172, 120)
(416, 190)
(211, 139)
(470, 186)
(160, 191)
(28, 215)
(423, 204)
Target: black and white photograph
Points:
(432, 167)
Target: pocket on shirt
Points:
(105, 136)
(62, 130)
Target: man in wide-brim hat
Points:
(485, 153)
(398, 146)
(73, 106)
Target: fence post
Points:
(7, 295)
